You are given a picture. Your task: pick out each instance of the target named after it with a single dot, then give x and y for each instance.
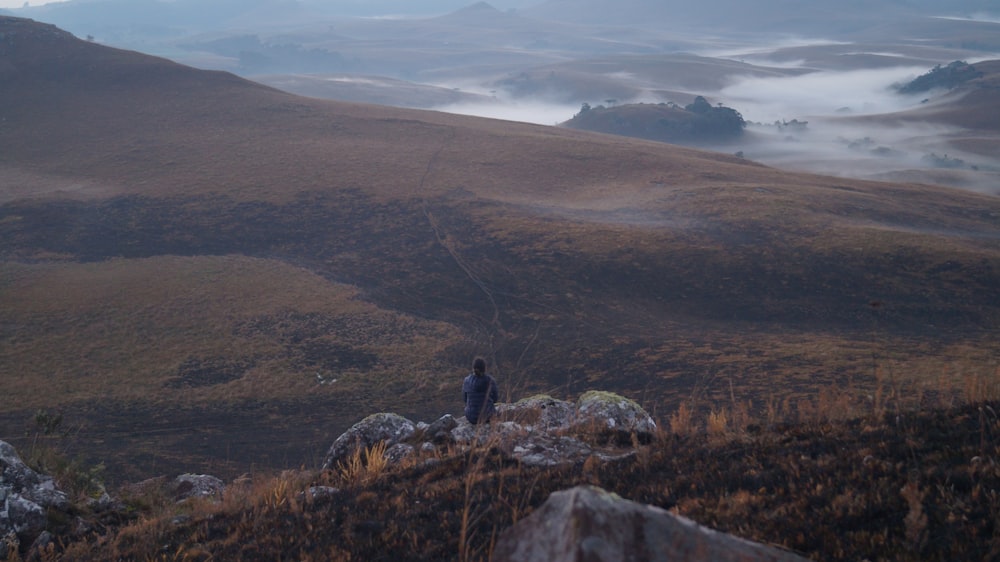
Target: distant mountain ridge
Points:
(745, 17)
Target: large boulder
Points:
(387, 427)
(25, 497)
(597, 410)
(540, 411)
(587, 524)
(440, 430)
(187, 486)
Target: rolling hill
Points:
(205, 273)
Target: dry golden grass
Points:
(364, 465)
(119, 330)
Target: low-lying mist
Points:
(824, 121)
(821, 93)
(525, 110)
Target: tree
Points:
(700, 106)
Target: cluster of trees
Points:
(947, 77)
(697, 121)
(716, 120)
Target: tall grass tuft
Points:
(365, 464)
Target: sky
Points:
(19, 3)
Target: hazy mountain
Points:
(732, 16)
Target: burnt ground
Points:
(750, 273)
(672, 314)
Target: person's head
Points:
(479, 366)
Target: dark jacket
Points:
(479, 392)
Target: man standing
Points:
(479, 392)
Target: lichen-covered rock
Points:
(23, 516)
(543, 449)
(398, 452)
(540, 411)
(188, 486)
(25, 495)
(538, 431)
(20, 479)
(387, 427)
(440, 430)
(465, 433)
(609, 411)
(587, 524)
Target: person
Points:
(479, 392)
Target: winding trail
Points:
(443, 239)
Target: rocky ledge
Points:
(538, 431)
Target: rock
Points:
(587, 524)
(540, 411)
(25, 496)
(464, 432)
(187, 486)
(609, 411)
(390, 428)
(42, 542)
(318, 493)
(535, 430)
(440, 430)
(495, 432)
(20, 479)
(104, 503)
(543, 449)
(398, 452)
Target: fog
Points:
(822, 121)
(764, 100)
(523, 110)
(823, 93)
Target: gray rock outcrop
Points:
(25, 496)
(588, 524)
(538, 431)
(540, 411)
(382, 427)
(187, 486)
(609, 411)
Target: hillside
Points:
(203, 273)
(970, 107)
(972, 104)
(904, 486)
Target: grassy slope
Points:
(197, 227)
(971, 106)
